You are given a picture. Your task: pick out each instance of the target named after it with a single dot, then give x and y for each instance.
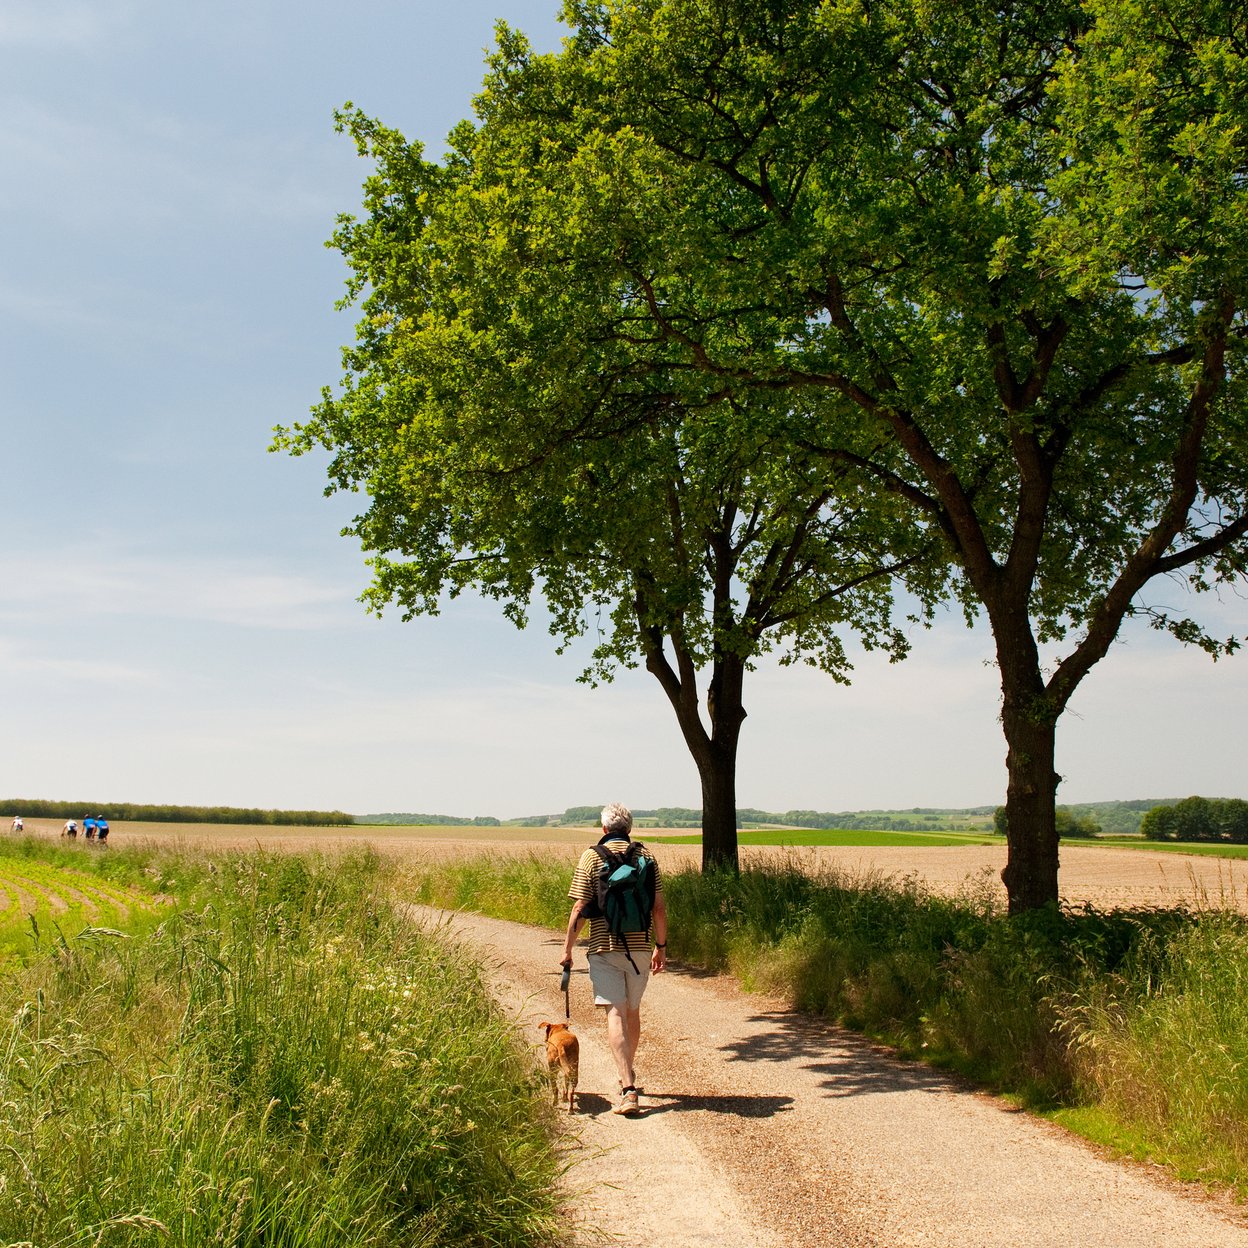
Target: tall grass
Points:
(1140, 1014)
(1162, 1048)
(285, 1063)
(524, 888)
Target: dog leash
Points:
(564, 980)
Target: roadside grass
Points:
(522, 888)
(1129, 1026)
(1161, 1046)
(284, 1060)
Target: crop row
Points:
(36, 897)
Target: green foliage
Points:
(41, 808)
(521, 427)
(1119, 818)
(724, 309)
(592, 814)
(285, 1062)
(1199, 819)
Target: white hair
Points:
(617, 818)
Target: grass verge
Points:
(283, 1061)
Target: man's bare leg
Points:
(623, 1035)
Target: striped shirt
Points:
(601, 939)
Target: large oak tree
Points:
(992, 256)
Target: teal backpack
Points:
(623, 891)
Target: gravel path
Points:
(765, 1128)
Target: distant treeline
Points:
(1080, 818)
(1069, 823)
(918, 818)
(138, 812)
(449, 821)
(1222, 819)
(1077, 819)
(1119, 818)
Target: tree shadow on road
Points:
(851, 1065)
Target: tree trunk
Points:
(714, 752)
(718, 772)
(1029, 722)
(717, 765)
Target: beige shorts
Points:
(615, 982)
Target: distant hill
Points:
(917, 819)
(1120, 818)
(417, 820)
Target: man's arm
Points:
(658, 956)
(575, 920)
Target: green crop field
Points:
(41, 902)
(1199, 848)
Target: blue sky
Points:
(178, 615)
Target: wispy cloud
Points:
(17, 661)
(47, 24)
(134, 169)
(221, 591)
(107, 314)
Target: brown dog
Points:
(563, 1060)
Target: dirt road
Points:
(763, 1128)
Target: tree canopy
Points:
(1002, 247)
(974, 271)
(519, 438)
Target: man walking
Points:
(617, 974)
